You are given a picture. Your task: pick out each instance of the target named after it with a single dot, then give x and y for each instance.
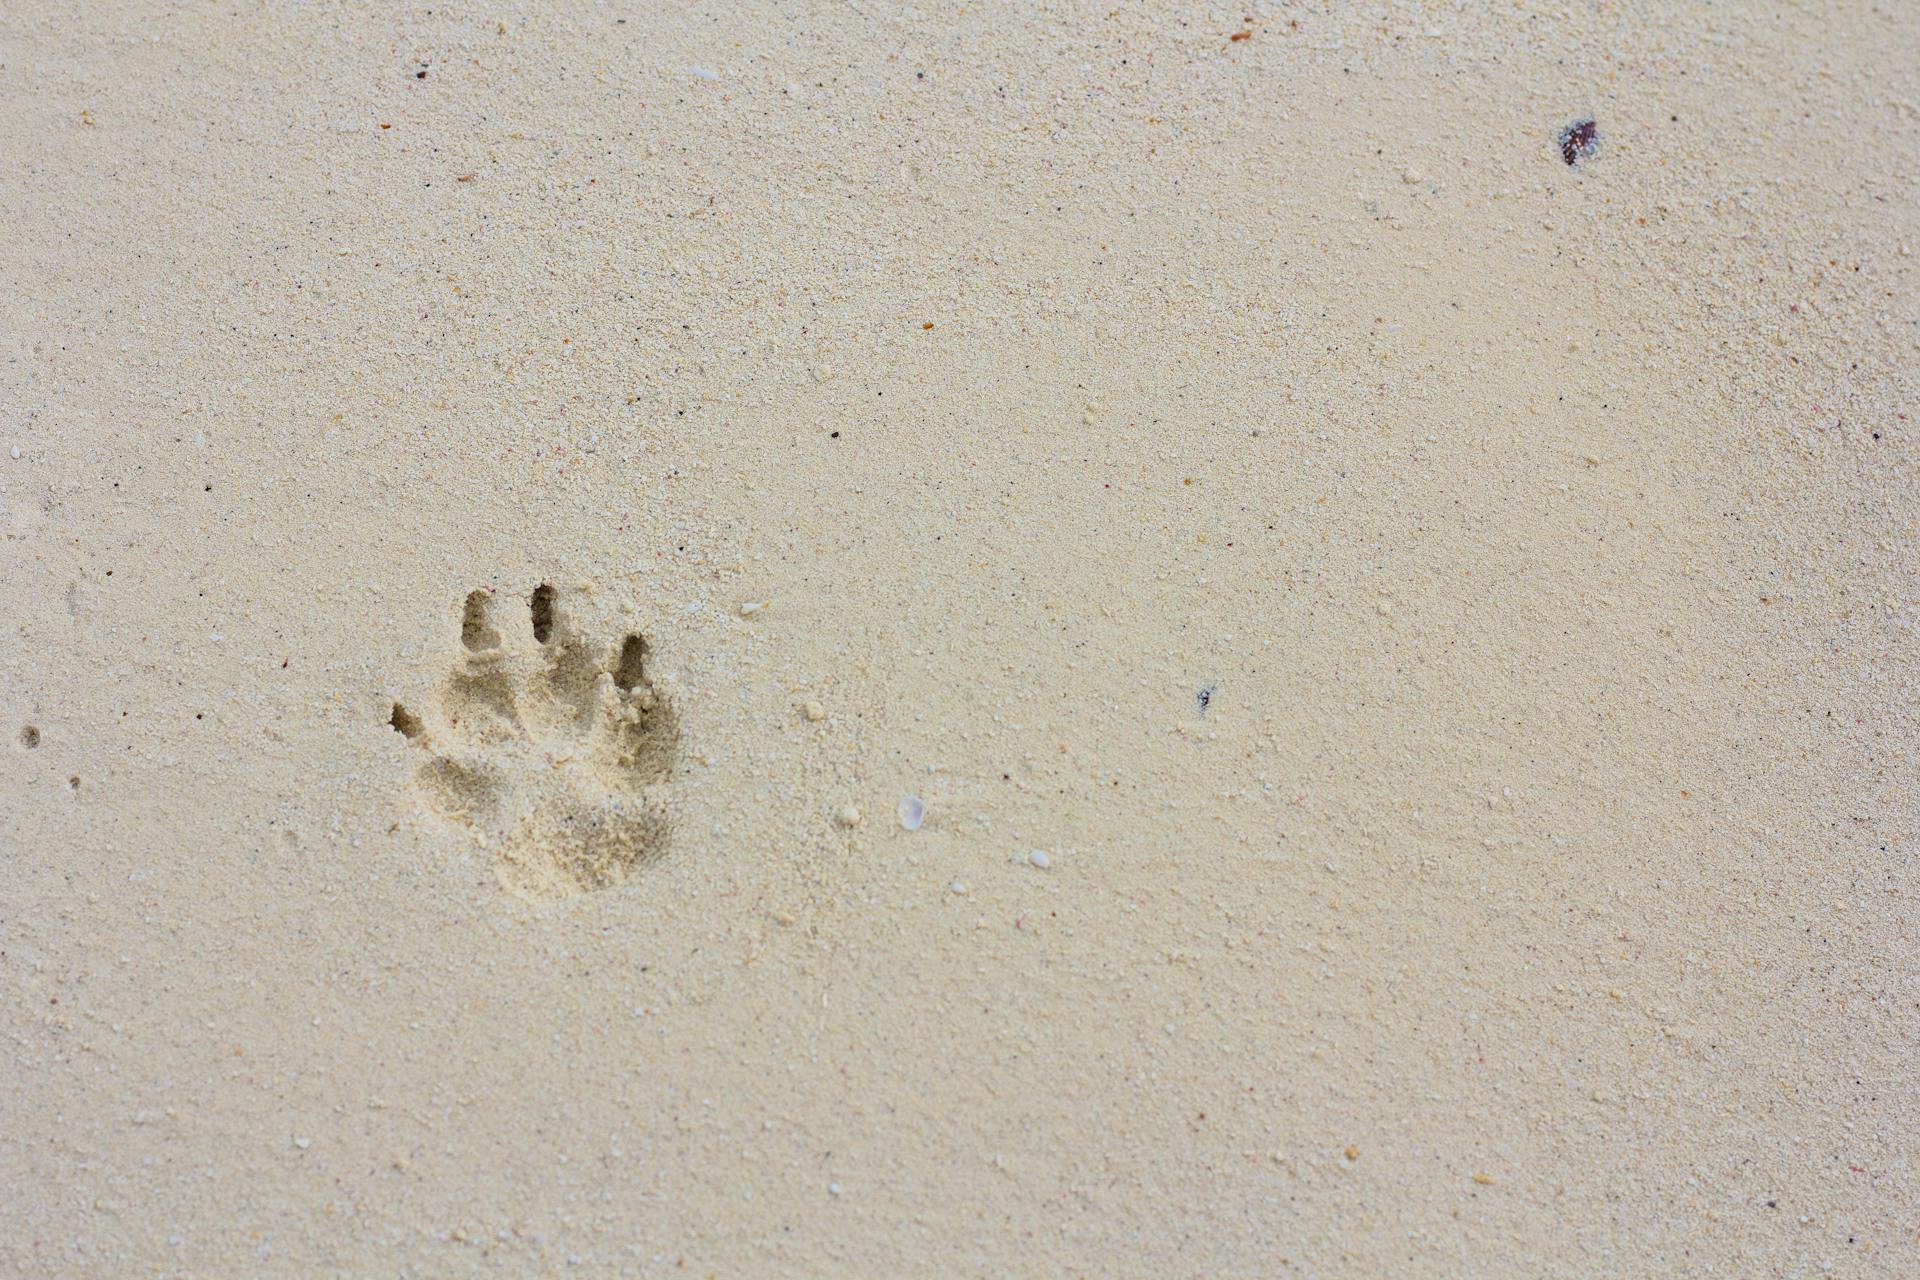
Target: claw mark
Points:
(543, 613)
(632, 669)
(406, 722)
(477, 631)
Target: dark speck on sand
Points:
(1578, 139)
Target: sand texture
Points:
(1378, 545)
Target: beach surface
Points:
(979, 640)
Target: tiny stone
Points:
(849, 815)
(913, 811)
(16, 451)
(1412, 176)
(959, 887)
(833, 1188)
(751, 607)
(815, 712)
(303, 1143)
(1040, 859)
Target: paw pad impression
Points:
(556, 753)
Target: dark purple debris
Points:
(1579, 139)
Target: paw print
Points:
(554, 752)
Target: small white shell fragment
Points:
(751, 607)
(913, 811)
(814, 712)
(849, 815)
(1040, 859)
(959, 887)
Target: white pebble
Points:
(815, 712)
(959, 887)
(849, 815)
(1040, 859)
(752, 607)
(16, 451)
(833, 1188)
(913, 811)
(303, 1143)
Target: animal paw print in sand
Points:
(554, 752)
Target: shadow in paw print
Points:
(556, 753)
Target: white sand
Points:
(1535, 896)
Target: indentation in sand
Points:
(555, 753)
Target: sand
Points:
(1443, 615)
